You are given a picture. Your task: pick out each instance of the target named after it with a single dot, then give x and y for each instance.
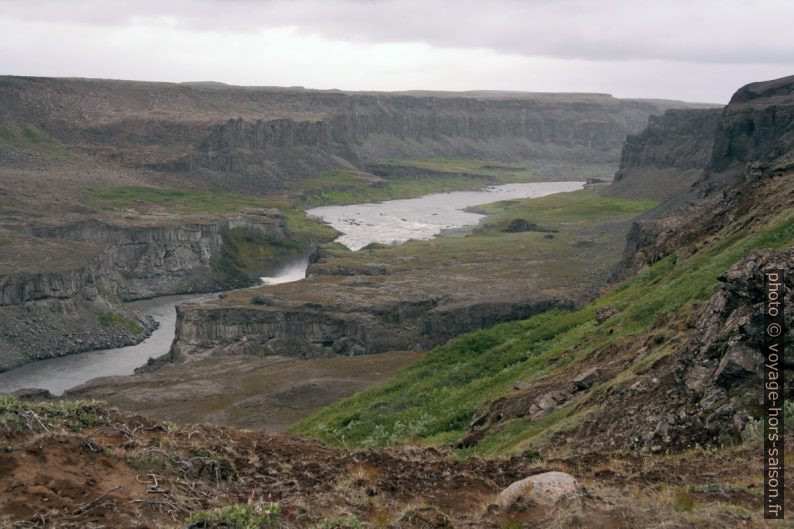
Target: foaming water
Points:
(289, 273)
(59, 374)
(397, 221)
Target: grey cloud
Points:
(707, 31)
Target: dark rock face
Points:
(753, 142)
(713, 387)
(307, 330)
(668, 156)
(150, 261)
(757, 126)
(708, 389)
(53, 313)
(260, 139)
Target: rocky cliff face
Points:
(668, 156)
(713, 382)
(148, 261)
(45, 314)
(259, 139)
(757, 126)
(312, 330)
(753, 142)
(53, 310)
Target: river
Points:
(388, 222)
(397, 221)
(59, 374)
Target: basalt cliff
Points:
(115, 190)
(259, 139)
(64, 293)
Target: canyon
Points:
(640, 379)
(149, 189)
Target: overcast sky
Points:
(693, 50)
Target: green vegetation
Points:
(753, 434)
(582, 207)
(337, 187)
(243, 252)
(302, 227)
(238, 517)
(348, 186)
(570, 213)
(341, 522)
(109, 318)
(433, 400)
(30, 138)
(18, 416)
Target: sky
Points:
(691, 50)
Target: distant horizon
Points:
(666, 49)
(408, 91)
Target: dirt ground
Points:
(90, 467)
(270, 393)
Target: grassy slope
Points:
(344, 186)
(433, 400)
(335, 187)
(556, 260)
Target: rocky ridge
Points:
(56, 309)
(668, 156)
(711, 379)
(260, 139)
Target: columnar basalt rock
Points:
(76, 307)
(262, 139)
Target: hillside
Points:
(150, 189)
(259, 140)
(649, 395)
(79, 464)
(665, 360)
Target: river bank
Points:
(56, 375)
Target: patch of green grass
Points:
(434, 399)
(238, 516)
(5, 133)
(31, 138)
(347, 186)
(683, 500)
(585, 206)
(17, 416)
(109, 318)
(340, 187)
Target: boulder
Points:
(543, 489)
(740, 361)
(586, 379)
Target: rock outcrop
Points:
(668, 156)
(705, 386)
(261, 139)
(73, 305)
(753, 142)
(282, 327)
(713, 384)
(149, 261)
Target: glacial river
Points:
(397, 221)
(388, 222)
(59, 374)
